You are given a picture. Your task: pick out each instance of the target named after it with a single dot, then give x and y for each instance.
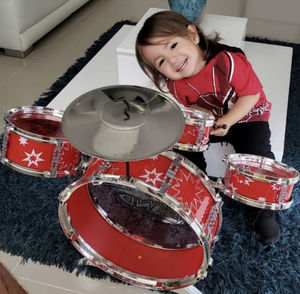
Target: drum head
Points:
(142, 217)
(262, 168)
(123, 123)
(35, 120)
(131, 235)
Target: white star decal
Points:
(232, 188)
(23, 141)
(275, 187)
(33, 158)
(246, 180)
(155, 157)
(183, 178)
(152, 176)
(193, 132)
(65, 149)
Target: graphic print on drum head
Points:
(145, 233)
(142, 217)
(34, 144)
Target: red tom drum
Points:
(34, 144)
(259, 181)
(196, 132)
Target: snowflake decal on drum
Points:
(276, 187)
(155, 157)
(193, 133)
(152, 176)
(23, 141)
(244, 180)
(188, 180)
(33, 158)
(65, 162)
(232, 188)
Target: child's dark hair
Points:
(163, 24)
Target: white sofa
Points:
(23, 22)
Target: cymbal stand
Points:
(127, 170)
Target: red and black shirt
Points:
(226, 77)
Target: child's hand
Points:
(243, 105)
(220, 128)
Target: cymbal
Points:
(123, 123)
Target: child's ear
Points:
(193, 34)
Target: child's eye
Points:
(173, 46)
(161, 62)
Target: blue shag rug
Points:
(29, 225)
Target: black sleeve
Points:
(215, 48)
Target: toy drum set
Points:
(140, 211)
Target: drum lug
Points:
(82, 167)
(56, 157)
(218, 184)
(213, 214)
(4, 143)
(64, 196)
(105, 164)
(283, 193)
(170, 174)
(200, 134)
(225, 158)
(213, 242)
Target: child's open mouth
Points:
(182, 65)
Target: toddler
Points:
(203, 74)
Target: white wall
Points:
(226, 7)
(272, 19)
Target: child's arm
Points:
(243, 105)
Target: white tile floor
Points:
(21, 83)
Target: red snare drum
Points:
(196, 131)
(259, 181)
(155, 229)
(33, 143)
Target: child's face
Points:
(176, 57)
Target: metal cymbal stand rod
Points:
(127, 170)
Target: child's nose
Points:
(173, 58)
